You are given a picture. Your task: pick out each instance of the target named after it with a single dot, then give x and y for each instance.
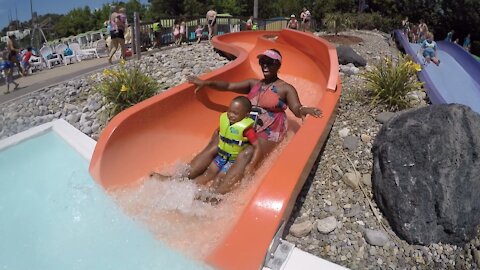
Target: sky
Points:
(12, 8)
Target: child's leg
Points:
(208, 175)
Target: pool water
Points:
(54, 216)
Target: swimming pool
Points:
(54, 216)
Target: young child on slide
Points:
(235, 133)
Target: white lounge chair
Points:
(82, 53)
(60, 49)
(48, 56)
(35, 63)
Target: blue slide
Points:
(456, 80)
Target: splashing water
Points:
(169, 208)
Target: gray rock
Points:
(344, 132)
(301, 229)
(427, 174)
(476, 256)
(347, 55)
(367, 180)
(350, 143)
(354, 211)
(352, 179)
(327, 225)
(383, 117)
(376, 238)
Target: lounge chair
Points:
(61, 48)
(49, 57)
(82, 53)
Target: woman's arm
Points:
(242, 87)
(296, 107)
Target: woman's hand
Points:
(195, 80)
(315, 112)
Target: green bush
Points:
(389, 82)
(336, 22)
(370, 21)
(124, 87)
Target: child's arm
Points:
(257, 154)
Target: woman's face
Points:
(269, 67)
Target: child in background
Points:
(26, 59)
(429, 49)
(7, 67)
(199, 33)
(176, 32)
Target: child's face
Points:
(236, 112)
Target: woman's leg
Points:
(122, 47)
(113, 49)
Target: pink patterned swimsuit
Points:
(273, 125)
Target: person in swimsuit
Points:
(292, 23)
(305, 16)
(211, 21)
(176, 32)
(429, 50)
(270, 98)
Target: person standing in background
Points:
(118, 23)
(13, 51)
(211, 21)
(449, 37)
(467, 42)
(305, 16)
(156, 27)
(292, 23)
(249, 24)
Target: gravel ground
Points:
(343, 224)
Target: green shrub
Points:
(124, 87)
(336, 22)
(370, 21)
(389, 82)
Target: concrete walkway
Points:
(49, 77)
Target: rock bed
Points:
(335, 216)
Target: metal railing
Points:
(223, 25)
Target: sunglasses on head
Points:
(266, 61)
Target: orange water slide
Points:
(177, 124)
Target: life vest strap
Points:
(227, 156)
(231, 141)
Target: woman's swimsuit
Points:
(272, 124)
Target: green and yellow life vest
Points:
(231, 140)
(156, 27)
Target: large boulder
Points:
(427, 174)
(347, 55)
